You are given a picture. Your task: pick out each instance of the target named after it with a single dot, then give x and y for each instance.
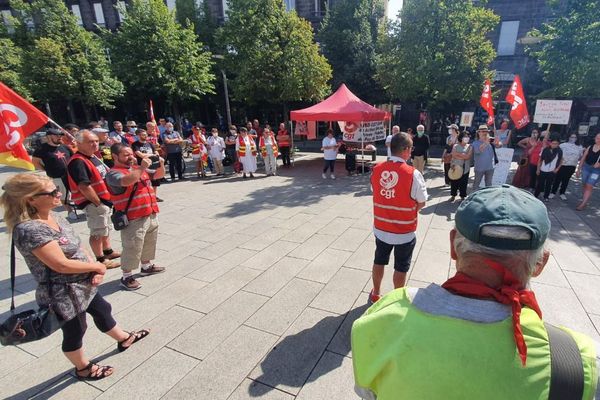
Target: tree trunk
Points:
(86, 112)
(286, 112)
(178, 124)
(48, 110)
(71, 108)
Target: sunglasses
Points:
(53, 193)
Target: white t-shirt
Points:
(388, 141)
(418, 192)
(329, 154)
(571, 154)
(217, 145)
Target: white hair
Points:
(521, 263)
(396, 127)
(420, 127)
(79, 135)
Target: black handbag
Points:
(30, 325)
(119, 218)
(227, 161)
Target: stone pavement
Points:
(264, 279)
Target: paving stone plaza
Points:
(264, 279)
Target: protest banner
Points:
(552, 112)
(370, 131)
(501, 169)
(466, 119)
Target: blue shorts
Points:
(590, 175)
(402, 254)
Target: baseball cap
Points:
(54, 131)
(503, 205)
(100, 130)
(453, 126)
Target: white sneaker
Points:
(324, 176)
(333, 176)
(72, 216)
(563, 197)
(551, 196)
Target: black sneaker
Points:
(152, 270)
(130, 283)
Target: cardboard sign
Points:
(466, 119)
(371, 131)
(501, 169)
(556, 112)
(584, 129)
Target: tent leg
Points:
(292, 158)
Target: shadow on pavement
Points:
(292, 362)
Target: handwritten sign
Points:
(554, 112)
(502, 168)
(371, 131)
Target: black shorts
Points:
(402, 254)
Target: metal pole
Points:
(228, 110)
(292, 142)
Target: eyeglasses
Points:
(53, 193)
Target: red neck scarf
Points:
(508, 293)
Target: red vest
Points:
(263, 148)
(242, 149)
(96, 182)
(283, 142)
(143, 202)
(394, 210)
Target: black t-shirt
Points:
(54, 159)
(79, 172)
(420, 145)
(145, 148)
(105, 154)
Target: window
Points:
(77, 13)
(508, 38)
(99, 14)
(320, 7)
(171, 4)
(6, 15)
(120, 6)
(225, 9)
(290, 4)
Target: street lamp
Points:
(227, 108)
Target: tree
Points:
(568, 52)
(64, 61)
(186, 12)
(11, 69)
(348, 37)
(272, 55)
(438, 53)
(169, 61)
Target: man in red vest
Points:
(85, 175)
(399, 192)
(283, 139)
(131, 191)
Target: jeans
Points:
(329, 164)
(175, 162)
(563, 176)
(285, 155)
(544, 182)
(447, 180)
(489, 174)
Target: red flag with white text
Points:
(153, 119)
(516, 97)
(486, 101)
(18, 119)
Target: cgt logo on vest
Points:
(389, 180)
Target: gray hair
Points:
(521, 263)
(79, 135)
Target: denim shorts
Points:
(402, 254)
(590, 175)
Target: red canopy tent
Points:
(343, 105)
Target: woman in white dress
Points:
(245, 147)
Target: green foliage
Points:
(439, 54)
(11, 67)
(271, 54)
(63, 60)
(348, 37)
(162, 57)
(186, 12)
(569, 50)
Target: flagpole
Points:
(62, 129)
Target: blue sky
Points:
(393, 7)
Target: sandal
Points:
(137, 335)
(101, 372)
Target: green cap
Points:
(503, 205)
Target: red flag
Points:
(486, 101)
(156, 131)
(18, 119)
(516, 97)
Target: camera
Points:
(155, 162)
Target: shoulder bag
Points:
(30, 325)
(119, 218)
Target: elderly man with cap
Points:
(480, 335)
(53, 157)
(421, 145)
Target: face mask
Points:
(572, 140)
(131, 130)
(420, 133)
(465, 140)
(450, 131)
